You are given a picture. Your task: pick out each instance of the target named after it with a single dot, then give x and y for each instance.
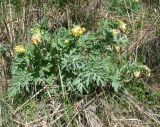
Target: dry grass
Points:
(100, 111)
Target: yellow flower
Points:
(80, 32)
(115, 32)
(84, 29)
(146, 68)
(122, 26)
(66, 41)
(117, 49)
(78, 27)
(137, 74)
(19, 49)
(74, 32)
(136, 1)
(149, 74)
(36, 39)
(77, 31)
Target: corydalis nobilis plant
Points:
(74, 59)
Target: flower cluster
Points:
(137, 74)
(66, 41)
(78, 31)
(115, 32)
(117, 49)
(19, 49)
(36, 38)
(122, 26)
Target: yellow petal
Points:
(36, 39)
(117, 48)
(66, 41)
(115, 32)
(123, 27)
(77, 28)
(149, 74)
(137, 74)
(84, 29)
(19, 49)
(74, 32)
(80, 32)
(146, 68)
(77, 31)
(136, 1)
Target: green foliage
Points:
(82, 63)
